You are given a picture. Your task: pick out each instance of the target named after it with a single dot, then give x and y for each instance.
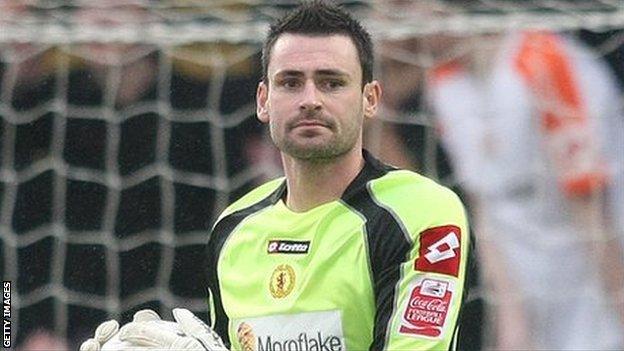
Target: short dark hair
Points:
(318, 18)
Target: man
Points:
(537, 141)
(344, 252)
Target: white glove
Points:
(103, 333)
(194, 335)
(107, 337)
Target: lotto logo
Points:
(288, 247)
(440, 250)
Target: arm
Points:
(604, 247)
(508, 321)
(428, 297)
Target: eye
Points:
(290, 83)
(332, 84)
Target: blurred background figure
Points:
(29, 66)
(43, 340)
(121, 71)
(534, 138)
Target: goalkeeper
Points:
(344, 252)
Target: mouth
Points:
(310, 123)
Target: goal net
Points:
(127, 126)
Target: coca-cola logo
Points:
(429, 304)
(427, 308)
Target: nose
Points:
(310, 99)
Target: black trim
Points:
(452, 344)
(388, 245)
(373, 168)
(217, 239)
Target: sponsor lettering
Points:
(426, 311)
(440, 250)
(6, 314)
(304, 341)
(308, 331)
(288, 247)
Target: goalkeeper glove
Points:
(107, 331)
(194, 335)
(103, 333)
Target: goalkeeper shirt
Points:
(383, 267)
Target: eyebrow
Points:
(331, 72)
(320, 72)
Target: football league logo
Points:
(282, 281)
(426, 311)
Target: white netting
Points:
(127, 127)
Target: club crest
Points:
(282, 281)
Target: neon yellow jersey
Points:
(383, 267)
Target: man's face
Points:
(313, 99)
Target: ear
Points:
(262, 97)
(371, 98)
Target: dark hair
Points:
(318, 18)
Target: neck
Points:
(313, 183)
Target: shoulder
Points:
(407, 188)
(417, 201)
(253, 197)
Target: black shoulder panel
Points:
(388, 245)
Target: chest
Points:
(275, 264)
(298, 280)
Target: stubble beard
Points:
(324, 151)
